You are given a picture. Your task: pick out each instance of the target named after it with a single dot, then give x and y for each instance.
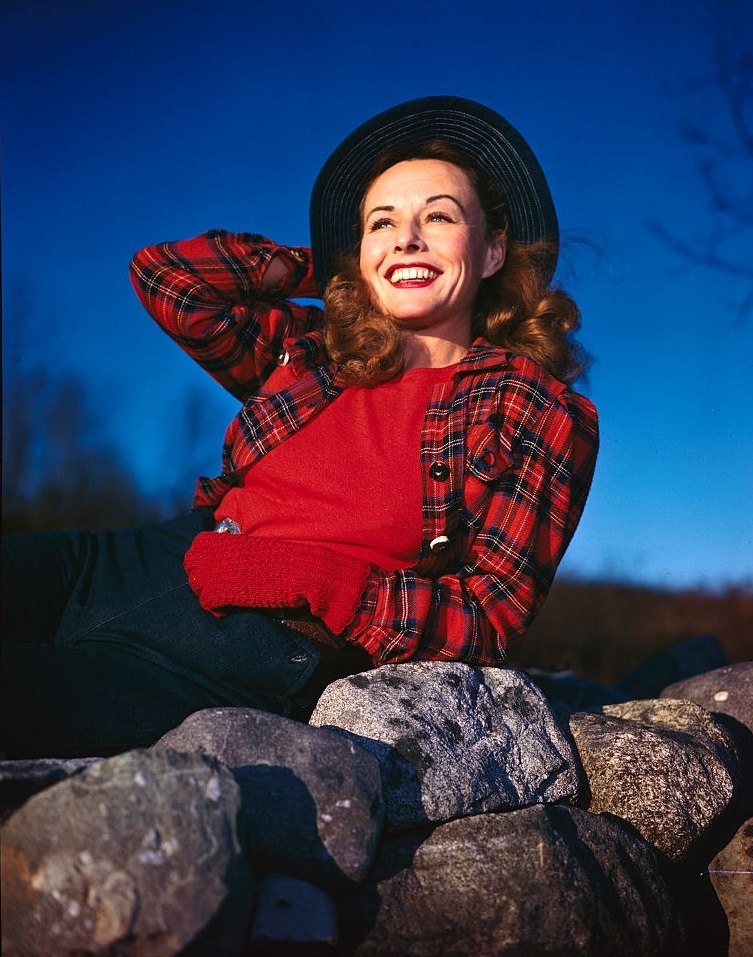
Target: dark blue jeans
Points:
(105, 647)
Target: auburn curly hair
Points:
(515, 308)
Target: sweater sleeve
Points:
(209, 295)
(471, 614)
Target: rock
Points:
(684, 716)
(19, 780)
(731, 873)
(136, 855)
(541, 880)
(454, 740)
(292, 913)
(727, 690)
(670, 771)
(312, 799)
(728, 693)
(683, 659)
(573, 693)
(731, 740)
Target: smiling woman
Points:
(511, 306)
(424, 251)
(403, 476)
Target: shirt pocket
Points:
(486, 464)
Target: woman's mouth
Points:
(411, 275)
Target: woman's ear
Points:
(495, 256)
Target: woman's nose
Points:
(408, 238)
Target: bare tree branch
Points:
(701, 257)
(726, 245)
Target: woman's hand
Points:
(241, 571)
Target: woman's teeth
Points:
(412, 272)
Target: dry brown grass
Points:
(603, 630)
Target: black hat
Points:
(501, 153)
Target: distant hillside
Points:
(603, 630)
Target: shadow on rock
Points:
(272, 796)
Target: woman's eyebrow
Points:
(380, 209)
(429, 200)
(433, 199)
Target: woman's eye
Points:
(379, 224)
(439, 217)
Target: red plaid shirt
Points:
(507, 452)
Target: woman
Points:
(400, 483)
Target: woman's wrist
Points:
(276, 272)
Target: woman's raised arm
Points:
(223, 298)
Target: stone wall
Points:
(427, 809)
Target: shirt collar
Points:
(483, 357)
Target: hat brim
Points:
(500, 151)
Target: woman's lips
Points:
(415, 274)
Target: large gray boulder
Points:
(668, 767)
(137, 855)
(454, 740)
(544, 880)
(312, 799)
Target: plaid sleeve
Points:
(208, 294)
(494, 596)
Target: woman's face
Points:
(425, 248)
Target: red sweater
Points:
(350, 480)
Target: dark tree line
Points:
(56, 473)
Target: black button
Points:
(439, 471)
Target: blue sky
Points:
(127, 122)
